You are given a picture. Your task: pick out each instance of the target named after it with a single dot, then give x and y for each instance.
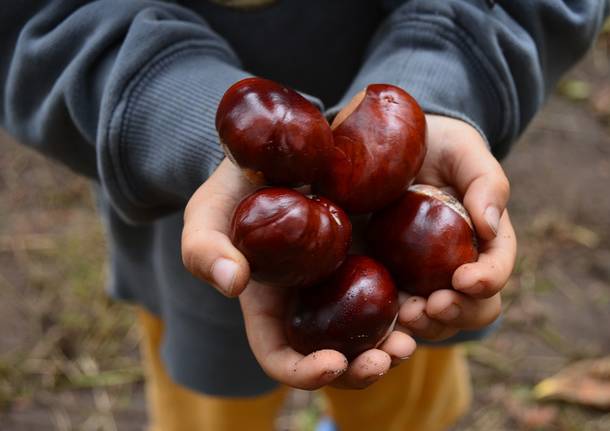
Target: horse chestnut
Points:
(272, 132)
(378, 149)
(290, 240)
(351, 312)
(422, 239)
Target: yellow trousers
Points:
(428, 392)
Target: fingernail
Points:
(223, 274)
(450, 312)
(492, 217)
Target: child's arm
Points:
(125, 92)
(484, 71)
(489, 69)
(490, 66)
(122, 91)
(457, 151)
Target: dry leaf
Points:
(575, 89)
(601, 101)
(585, 382)
(529, 416)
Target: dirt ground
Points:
(69, 356)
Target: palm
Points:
(459, 162)
(205, 240)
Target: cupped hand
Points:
(208, 253)
(459, 161)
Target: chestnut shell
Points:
(272, 132)
(378, 150)
(422, 239)
(289, 239)
(350, 312)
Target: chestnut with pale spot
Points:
(289, 239)
(351, 312)
(422, 239)
(272, 133)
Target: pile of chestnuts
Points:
(364, 163)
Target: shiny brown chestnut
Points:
(422, 239)
(272, 132)
(290, 240)
(351, 312)
(379, 148)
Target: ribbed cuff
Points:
(162, 143)
(435, 61)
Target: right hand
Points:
(208, 253)
(458, 159)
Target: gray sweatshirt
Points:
(125, 92)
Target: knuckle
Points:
(190, 254)
(187, 260)
(496, 310)
(190, 208)
(490, 315)
(490, 287)
(503, 185)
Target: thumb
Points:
(486, 194)
(477, 176)
(207, 251)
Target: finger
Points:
(486, 198)
(365, 370)
(399, 346)
(490, 273)
(263, 310)
(468, 165)
(457, 310)
(207, 251)
(411, 309)
(412, 316)
(479, 177)
(309, 372)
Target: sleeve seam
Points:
(464, 42)
(129, 97)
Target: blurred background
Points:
(69, 356)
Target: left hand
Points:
(458, 160)
(208, 254)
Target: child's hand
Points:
(458, 159)
(208, 253)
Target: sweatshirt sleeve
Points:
(122, 91)
(489, 63)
